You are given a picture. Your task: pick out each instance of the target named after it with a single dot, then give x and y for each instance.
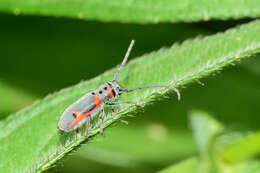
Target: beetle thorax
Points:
(108, 91)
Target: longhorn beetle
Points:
(92, 103)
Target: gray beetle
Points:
(92, 103)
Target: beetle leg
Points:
(124, 102)
(87, 126)
(101, 121)
(113, 110)
(78, 133)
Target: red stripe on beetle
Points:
(109, 91)
(97, 102)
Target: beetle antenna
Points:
(124, 61)
(153, 86)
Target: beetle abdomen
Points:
(83, 104)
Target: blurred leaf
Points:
(211, 160)
(205, 130)
(249, 166)
(192, 165)
(154, 143)
(13, 98)
(239, 160)
(141, 11)
(242, 150)
(186, 166)
(177, 65)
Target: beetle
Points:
(92, 103)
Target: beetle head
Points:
(115, 89)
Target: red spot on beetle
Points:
(80, 116)
(77, 113)
(109, 91)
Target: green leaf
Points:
(177, 65)
(141, 11)
(205, 130)
(192, 165)
(186, 166)
(242, 150)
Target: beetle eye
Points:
(100, 92)
(105, 88)
(93, 93)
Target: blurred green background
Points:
(41, 55)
